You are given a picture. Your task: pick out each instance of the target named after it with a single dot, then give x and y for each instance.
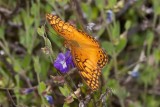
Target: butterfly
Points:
(87, 54)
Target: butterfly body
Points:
(86, 52)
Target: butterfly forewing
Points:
(69, 32)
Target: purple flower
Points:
(27, 90)
(134, 74)
(49, 99)
(109, 16)
(64, 62)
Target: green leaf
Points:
(149, 75)
(34, 9)
(37, 66)
(100, 32)
(100, 4)
(17, 66)
(112, 83)
(41, 31)
(115, 31)
(108, 46)
(55, 37)
(128, 24)
(107, 68)
(1, 32)
(4, 77)
(45, 65)
(62, 3)
(47, 42)
(149, 40)
(27, 19)
(26, 61)
(65, 105)
(151, 101)
(64, 90)
(16, 90)
(41, 87)
(156, 6)
(27, 36)
(157, 55)
(121, 93)
(121, 44)
(91, 13)
(111, 3)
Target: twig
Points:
(10, 97)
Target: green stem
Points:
(154, 20)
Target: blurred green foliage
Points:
(28, 47)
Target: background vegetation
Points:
(129, 30)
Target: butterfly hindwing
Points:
(86, 61)
(89, 72)
(102, 58)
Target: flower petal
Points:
(64, 62)
(49, 99)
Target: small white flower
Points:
(90, 26)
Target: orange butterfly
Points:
(86, 52)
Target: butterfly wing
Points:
(69, 32)
(89, 63)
